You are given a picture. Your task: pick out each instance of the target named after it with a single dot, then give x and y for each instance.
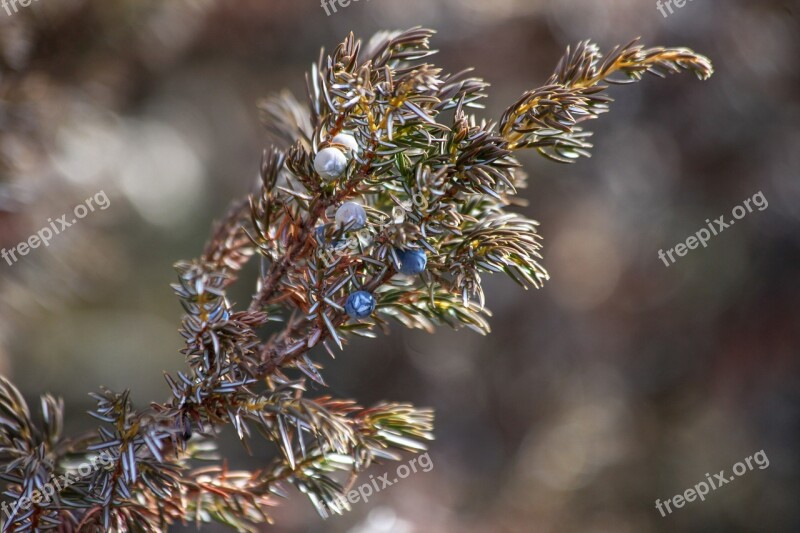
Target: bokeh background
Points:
(620, 382)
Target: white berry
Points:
(345, 139)
(330, 163)
(351, 216)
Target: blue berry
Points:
(412, 262)
(360, 304)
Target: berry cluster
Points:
(331, 163)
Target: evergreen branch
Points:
(378, 205)
(546, 118)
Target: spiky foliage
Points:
(431, 176)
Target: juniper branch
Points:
(386, 158)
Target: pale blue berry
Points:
(330, 163)
(360, 304)
(351, 216)
(412, 262)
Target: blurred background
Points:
(622, 381)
